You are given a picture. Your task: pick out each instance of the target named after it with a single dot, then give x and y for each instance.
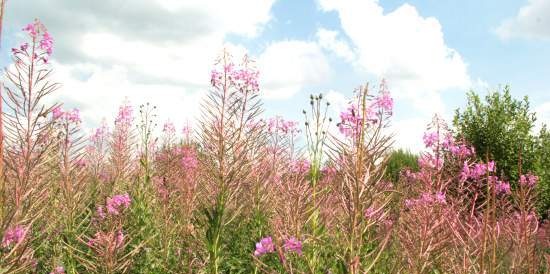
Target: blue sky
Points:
(431, 52)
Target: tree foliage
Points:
(503, 128)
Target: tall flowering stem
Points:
(316, 125)
(230, 138)
(363, 196)
(27, 137)
(121, 148)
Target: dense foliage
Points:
(400, 160)
(503, 129)
(236, 194)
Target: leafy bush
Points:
(502, 129)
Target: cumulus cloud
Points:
(328, 39)
(543, 115)
(158, 51)
(288, 66)
(406, 49)
(99, 92)
(159, 22)
(532, 22)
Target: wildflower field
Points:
(243, 193)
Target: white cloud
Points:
(286, 67)
(328, 40)
(543, 115)
(532, 22)
(338, 101)
(158, 51)
(99, 93)
(406, 49)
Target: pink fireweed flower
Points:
(58, 270)
(430, 161)
(528, 180)
(300, 166)
(293, 245)
(47, 43)
(279, 125)
(117, 203)
(24, 46)
(57, 113)
(465, 173)
(427, 199)
(31, 28)
(215, 78)
(502, 187)
(264, 246)
(460, 151)
(189, 158)
(119, 238)
(124, 116)
(99, 133)
(491, 166)
(440, 198)
(100, 211)
(14, 235)
(169, 128)
(186, 130)
(73, 116)
(430, 138)
(247, 79)
(384, 101)
(351, 121)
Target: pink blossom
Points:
(124, 116)
(429, 161)
(300, 166)
(47, 43)
(100, 212)
(351, 121)
(440, 198)
(57, 112)
(491, 166)
(169, 128)
(24, 46)
(117, 203)
(293, 245)
(14, 235)
(58, 270)
(99, 133)
(73, 116)
(502, 187)
(189, 158)
(31, 28)
(529, 180)
(384, 101)
(279, 125)
(430, 138)
(465, 173)
(264, 246)
(119, 238)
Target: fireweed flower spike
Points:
(293, 245)
(14, 235)
(264, 246)
(117, 203)
(58, 270)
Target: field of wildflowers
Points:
(238, 194)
